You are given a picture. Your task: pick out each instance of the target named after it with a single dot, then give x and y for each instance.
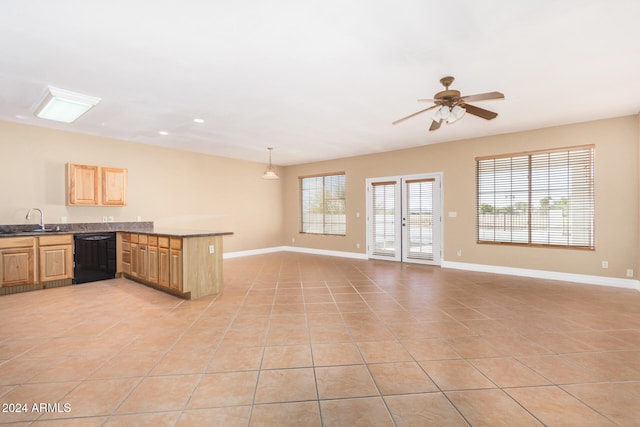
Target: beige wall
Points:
(616, 142)
(189, 190)
(170, 187)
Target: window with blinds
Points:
(323, 204)
(537, 198)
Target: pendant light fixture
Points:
(269, 173)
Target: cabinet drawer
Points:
(126, 237)
(58, 239)
(134, 238)
(16, 242)
(126, 247)
(153, 240)
(143, 239)
(163, 242)
(176, 243)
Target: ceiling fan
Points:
(451, 106)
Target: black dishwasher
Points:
(95, 257)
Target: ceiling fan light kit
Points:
(451, 107)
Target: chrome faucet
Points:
(41, 224)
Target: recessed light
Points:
(198, 120)
(163, 132)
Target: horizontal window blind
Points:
(383, 225)
(537, 198)
(323, 204)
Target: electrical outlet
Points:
(357, 245)
(212, 249)
(110, 218)
(293, 240)
(104, 218)
(629, 272)
(459, 253)
(605, 264)
(63, 220)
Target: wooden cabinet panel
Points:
(82, 184)
(114, 186)
(134, 259)
(55, 262)
(175, 269)
(143, 261)
(56, 239)
(55, 257)
(153, 264)
(17, 261)
(17, 266)
(163, 266)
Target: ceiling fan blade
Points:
(426, 100)
(482, 96)
(435, 125)
(414, 114)
(480, 112)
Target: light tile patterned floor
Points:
(307, 340)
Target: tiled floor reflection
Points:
(305, 340)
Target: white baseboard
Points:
(228, 255)
(542, 274)
(483, 268)
(340, 254)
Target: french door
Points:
(404, 218)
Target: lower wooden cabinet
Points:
(29, 260)
(55, 257)
(17, 265)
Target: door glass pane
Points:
(383, 218)
(419, 219)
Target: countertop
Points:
(92, 228)
(179, 232)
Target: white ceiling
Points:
(316, 79)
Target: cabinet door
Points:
(153, 264)
(143, 261)
(163, 266)
(114, 186)
(17, 267)
(175, 269)
(134, 259)
(56, 262)
(82, 184)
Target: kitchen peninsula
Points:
(186, 263)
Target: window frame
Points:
(588, 182)
(324, 204)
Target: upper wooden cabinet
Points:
(82, 184)
(90, 185)
(114, 186)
